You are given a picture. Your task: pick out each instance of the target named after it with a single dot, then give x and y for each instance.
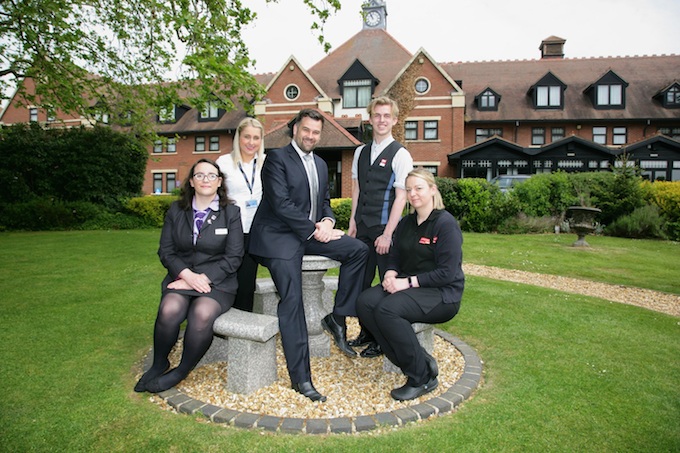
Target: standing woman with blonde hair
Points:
(423, 283)
(241, 169)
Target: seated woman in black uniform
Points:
(423, 283)
(201, 246)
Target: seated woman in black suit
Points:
(423, 283)
(201, 246)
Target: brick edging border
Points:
(461, 390)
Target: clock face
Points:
(372, 18)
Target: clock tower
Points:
(375, 15)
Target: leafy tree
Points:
(114, 57)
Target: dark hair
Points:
(307, 113)
(186, 193)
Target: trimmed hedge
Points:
(478, 205)
(342, 209)
(151, 208)
(96, 165)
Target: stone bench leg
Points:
(218, 351)
(266, 299)
(251, 365)
(330, 286)
(425, 335)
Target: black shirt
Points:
(432, 251)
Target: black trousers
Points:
(389, 318)
(368, 235)
(287, 277)
(246, 277)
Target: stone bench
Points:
(247, 342)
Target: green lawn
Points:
(562, 372)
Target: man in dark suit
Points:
(294, 219)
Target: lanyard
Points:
(249, 183)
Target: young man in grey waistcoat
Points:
(379, 172)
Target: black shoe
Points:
(147, 377)
(165, 381)
(307, 389)
(407, 392)
(154, 386)
(372, 350)
(339, 335)
(431, 365)
(362, 339)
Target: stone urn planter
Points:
(582, 222)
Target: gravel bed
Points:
(354, 387)
(653, 300)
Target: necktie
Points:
(199, 216)
(313, 184)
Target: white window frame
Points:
(356, 91)
(430, 127)
(199, 144)
(610, 95)
(210, 111)
(548, 96)
(600, 135)
(411, 127)
(214, 145)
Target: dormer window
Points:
(356, 93)
(210, 112)
(670, 96)
(548, 96)
(548, 93)
(673, 96)
(487, 100)
(608, 93)
(356, 86)
(166, 114)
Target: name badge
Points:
(221, 231)
(251, 204)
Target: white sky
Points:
(474, 30)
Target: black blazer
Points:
(281, 223)
(218, 251)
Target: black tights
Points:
(200, 313)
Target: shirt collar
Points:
(382, 145)
(301, 153)
(214, 205)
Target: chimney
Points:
(552, 47)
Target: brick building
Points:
(469, 119)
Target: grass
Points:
(562, 372)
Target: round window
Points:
(292, 92)
(422, 86)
